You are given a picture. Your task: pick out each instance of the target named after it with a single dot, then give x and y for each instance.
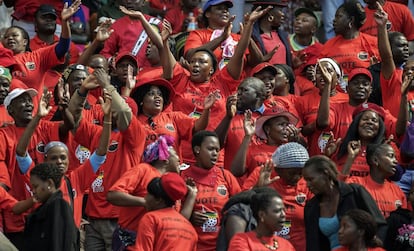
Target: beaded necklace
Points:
(275, 245)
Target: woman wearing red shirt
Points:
(269, 210)
(163, 228)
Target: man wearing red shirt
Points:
(251, 94)
(5, 82)
(19, 104)
(45, 25)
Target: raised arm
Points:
(152, 34)
(167, 58)
(236, 63)
(322, 119)
(384, 47)
(64, 42)
(213, 44)
(402, 119)
(78, 98)
(224, 125)
(238, 166)
(202, 122)
(119, 106)
(42, 111)
(24, 161)
(106, 104)
(104, 32)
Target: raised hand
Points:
(210, 100)
(63, 95)
(380, 16)
(256, 14)
(229, 27)
(191, 186)
(270, 54)
(231, 107)
(354, 147)
(407, 83)
(293, 133)
(131, 13)
(106, 102)
(68, 12)
(101, 77)
(327, 76)
(249, 123)
(104, 30)
(90, 82)
(332, 145)
(166, 30)
(131, 79)
(44, 107)
(265, 174)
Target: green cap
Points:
(5, 73)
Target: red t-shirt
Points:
(391, 91)
(161, 4)
(250, 241)
(253, 178)
(190, 96)
(176, 124)
(269, 43)
(18, 183)
(399, 15)
(351, 53)
(235, 137)
(134, 182)
(307, 107)
(124, 151)
(129, 35)
(165, 229)
(149, 73)
(34, 65)
(7, 201)
(294, 198)
(215, 187)
(388, 195)
(304, 86)
(80, 179)
(36, 43)
(257, 155)
(197, 38)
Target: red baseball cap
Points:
(126, 54)
(174, 186)
(369, 107)
(260, 67)
(358, 71)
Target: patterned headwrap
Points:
(158, 150)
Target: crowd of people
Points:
(168, 131)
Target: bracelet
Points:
(107, 122)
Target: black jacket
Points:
(400, 231)
(51, 227)
(351, 196)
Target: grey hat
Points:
(290, 155)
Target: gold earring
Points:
(270, 19)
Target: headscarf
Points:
(158, 150)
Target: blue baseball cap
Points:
(216, 2)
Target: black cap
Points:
(46, 9)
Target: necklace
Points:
(275, 245)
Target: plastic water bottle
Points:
(192, 24)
